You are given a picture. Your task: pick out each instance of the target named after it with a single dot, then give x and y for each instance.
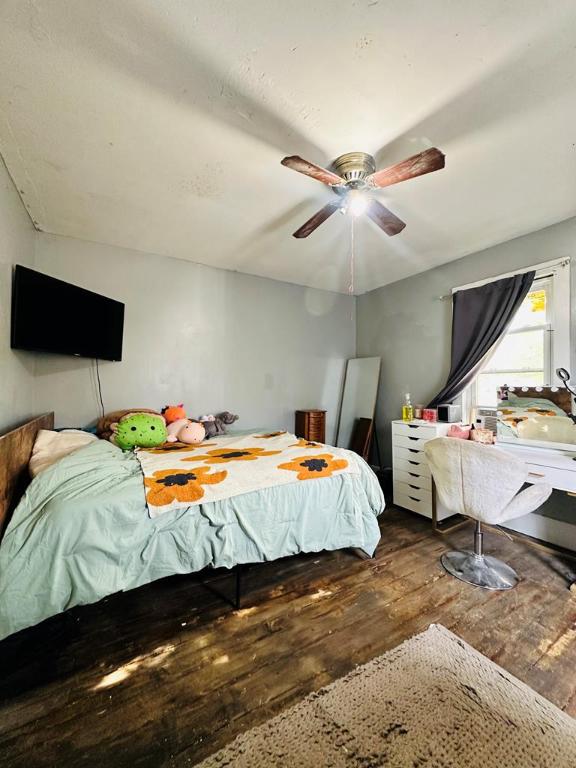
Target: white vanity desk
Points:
(414, 488)
(556, 467)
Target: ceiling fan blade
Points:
(309, 169)
(385, 219)
(417, 165)
(318, 218)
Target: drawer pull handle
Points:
(413, 426)
(413, 474)
(412, 438)
(413, 462)
(413, 498)
(414, 486)
(413, 450)
(536, 474)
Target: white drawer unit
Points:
(408, 458)
(413, 484)
(557, 468)
(414, 465)
(554, 476)
(412, 429)
(413, 503)
(411, 443)
(413, 479)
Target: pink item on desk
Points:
(461, 432)
(430, 414)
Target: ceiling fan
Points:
(353, 179)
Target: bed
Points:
(81, 531)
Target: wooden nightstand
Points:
(311, 425)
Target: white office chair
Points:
(481, 482)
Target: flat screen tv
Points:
(49, 315)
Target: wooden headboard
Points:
(15, 451)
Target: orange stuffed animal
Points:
(173, 413)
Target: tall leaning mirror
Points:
(358, 399)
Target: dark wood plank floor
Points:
(167, 674)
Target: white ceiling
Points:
(160, 126)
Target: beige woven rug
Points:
(432, 701)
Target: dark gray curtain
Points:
(480, 317)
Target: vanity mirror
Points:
(536, 416)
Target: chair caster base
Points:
(481, 570)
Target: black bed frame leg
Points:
(363, 555)
(238, 595)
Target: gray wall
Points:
(410, 328)
(16, 246)
(215, 340)
(222, 340)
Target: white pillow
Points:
(50, 447)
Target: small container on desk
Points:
(311, 425)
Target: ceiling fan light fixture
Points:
(357, 203)
(352, 179)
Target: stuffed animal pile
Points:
(145, 428)
(180, 428)
(216, 425)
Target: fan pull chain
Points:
(351, 285)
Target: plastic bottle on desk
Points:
(407, 410)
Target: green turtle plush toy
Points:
(139, 430)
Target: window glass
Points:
(533, 310)
(521, 351)
(487, 384)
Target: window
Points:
(536, 343)
(523, 355)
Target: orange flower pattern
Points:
(303, 443)
(541, 411)
(310, 467)
(180, 476)
(169, 485)
(515, 420)
(223, 455)
(271, 434)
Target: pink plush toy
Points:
(185, 431)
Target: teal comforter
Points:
(82, 531)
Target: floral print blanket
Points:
(178, 475)
(515, 411)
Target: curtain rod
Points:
(564, 262)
